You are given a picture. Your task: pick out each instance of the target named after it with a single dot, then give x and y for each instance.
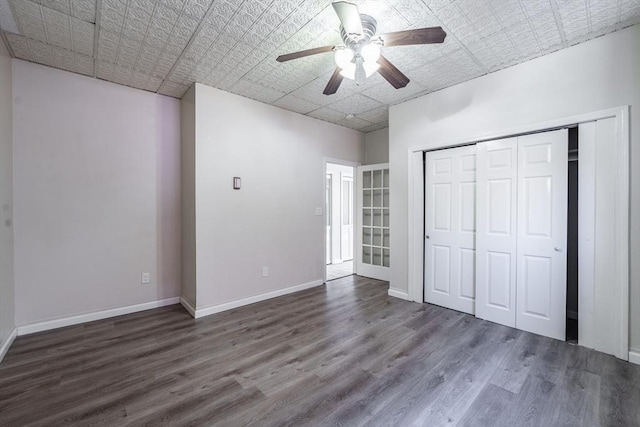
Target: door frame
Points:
(346, 178)
(340, 162)
(415, 191)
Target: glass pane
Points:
(386, 178)
(366, 236)
(366, 179)
(377, 198)
(377, 256)
(386, 238)
(366, 199)
(366, 255)
(386, 258)
(377, 237)
(377, 217)
(377, 179)
(366, 217)
(385, 198)
(385, 218)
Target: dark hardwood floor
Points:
(341, 354)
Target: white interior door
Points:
(542, 233)
(496, 231)
(450, 206)
(346, 217)
(373, 237)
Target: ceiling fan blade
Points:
(391, 73)
(303, 53)
(334, 82)
(349, 17)
(419, 36)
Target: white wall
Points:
(336, 172)
(7, 317)
(376, 147)
(96, 192)
(271, 221)
(600, 74)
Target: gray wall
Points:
(376, 147)
(271, 221)
(188, 194)
(96, 194)
(7, 318)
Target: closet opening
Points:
(525, 226)
(572, 238)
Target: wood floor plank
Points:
(514, 371)
(342, 354)
(487, 407)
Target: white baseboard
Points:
(188, 306)
(90, 317)
(213, 309)
(634, 356)
(6, 344)
(399, 294)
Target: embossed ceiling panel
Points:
(164, 46)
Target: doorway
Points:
(339, 208)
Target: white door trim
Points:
(622, 199)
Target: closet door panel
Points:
(496, 231)
(542, 233)
(450, 228)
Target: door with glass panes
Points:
(373, 247)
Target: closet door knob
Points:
(426, 237)
(557, 249)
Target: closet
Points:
(496, 231)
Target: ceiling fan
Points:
(360, 56)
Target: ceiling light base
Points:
(369, 26)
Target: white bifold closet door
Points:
(522, 232)
(450, 206)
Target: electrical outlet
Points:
(265, 271)
(146, 278)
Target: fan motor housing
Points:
(369, 26)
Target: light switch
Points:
(318, 211)
(145, 279)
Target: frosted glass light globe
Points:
(349, 72)
(370, 53)
(370, 67)
(344, 58)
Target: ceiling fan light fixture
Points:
(370, 68)
(370, 53)
(344, 58)
(349, 72)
